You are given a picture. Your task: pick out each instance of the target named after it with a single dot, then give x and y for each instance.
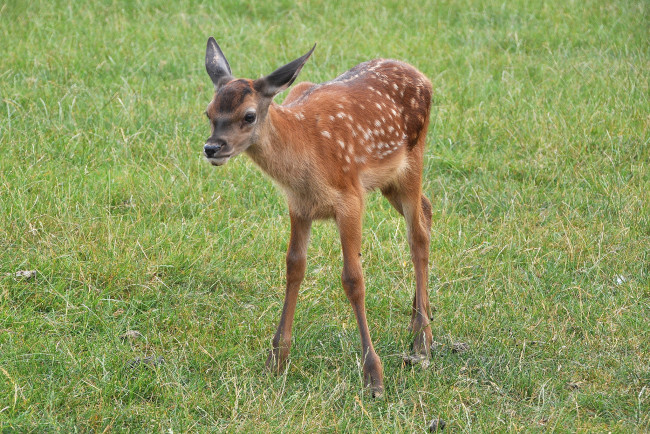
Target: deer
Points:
(327, 145)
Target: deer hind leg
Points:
(416, 210)
(296, 263)
(349, 224)
(427, 212)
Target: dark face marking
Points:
(230, 96)
(221, 125)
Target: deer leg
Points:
(418, 223)
(349, 224)
(416, 210)
(296, 263)
(427, 213)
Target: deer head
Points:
(240, 106)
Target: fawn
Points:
(327, 145)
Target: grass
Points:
(537, 166)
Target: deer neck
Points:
(277, 150)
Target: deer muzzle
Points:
(216, 152)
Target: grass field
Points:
(538, 167)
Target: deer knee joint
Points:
(296, 261)
(353, 285)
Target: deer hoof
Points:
(375, 386)
(275, 363)
(373, 376)
(421, 348)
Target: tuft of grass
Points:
(537, 167)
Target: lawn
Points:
(537, 166)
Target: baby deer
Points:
(326, 146)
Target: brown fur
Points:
(326, 146)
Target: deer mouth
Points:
(218, 158)
(218, 161)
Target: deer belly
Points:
(384, 172)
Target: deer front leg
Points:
(350, 230)
(296, 263)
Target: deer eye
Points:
(249, 117)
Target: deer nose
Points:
(210, 149)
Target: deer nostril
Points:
(210, 150)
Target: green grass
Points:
(538, 170)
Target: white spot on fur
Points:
(341, 144)
(377, 123)
(326, 134)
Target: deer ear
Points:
(216, 64)
(281, 78)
